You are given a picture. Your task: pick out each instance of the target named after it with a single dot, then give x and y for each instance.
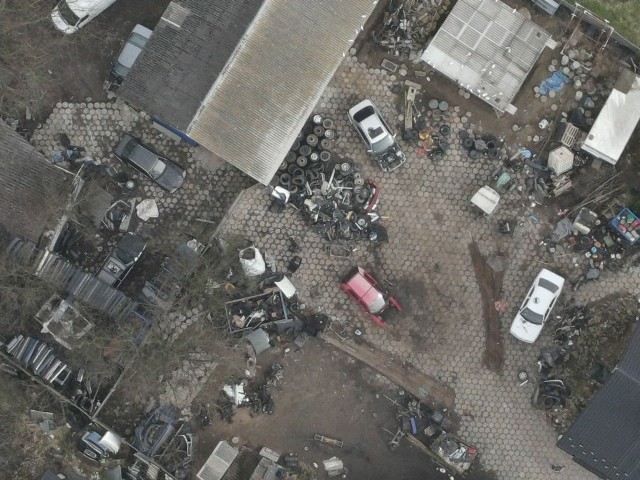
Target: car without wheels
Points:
(364, 289)
(164, 172)
(129, 53)
(122, 259)
(377, 135)
(537, 305)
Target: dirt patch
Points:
(328, 393)
(489, 278)
(48, 66)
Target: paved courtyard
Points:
(427, 260)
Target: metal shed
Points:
(617, 120)
(488, 48)
(605, 438)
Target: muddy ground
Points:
(323, 392)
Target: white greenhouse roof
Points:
(488, 48)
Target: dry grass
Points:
(623, 15)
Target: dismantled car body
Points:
(376, 134)
(122, 259)
(365, 290)
(130, 51)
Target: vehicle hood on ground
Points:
(172, 178)
(525, 331)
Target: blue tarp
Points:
(555, 83)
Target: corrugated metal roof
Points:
(189, 48)
(487, 48)
(606, 436)
(257, 106)
(218, 462)
(615, 124)
(32, 191)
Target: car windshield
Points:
(531, 316)
(546, 284)
(383, 144)
(67, 14)
(157, 169)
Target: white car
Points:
(537, 306)
(129, 53)
(376, 134)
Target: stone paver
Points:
(430, 226)
(206, 193)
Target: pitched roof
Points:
(488, 48)
(188, 49)
(32, 191)
(606, 436)
(257, 104)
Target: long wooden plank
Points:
(428, 389)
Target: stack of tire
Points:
(308, 156)
(478, 146)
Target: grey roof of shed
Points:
(188, 49)
(270, 86)
(488, 48)
(32, 191)
(606, 436)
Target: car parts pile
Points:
(331, 191)
(343, 207)
(407, 24)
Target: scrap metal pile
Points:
(329, 190)
(588, 344)
(407, 25)
(429, 430)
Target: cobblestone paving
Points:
(98, 126)
(427, 260)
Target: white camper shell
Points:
(617, 120)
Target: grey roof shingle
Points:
(188, 50)
(32, 191)
(606, 436)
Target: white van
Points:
(71, 15)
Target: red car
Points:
(364, 289)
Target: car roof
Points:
(371, 124)
(142, 156)
(542, 297)
(131, 50)
(366, 291)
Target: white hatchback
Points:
(537, 306)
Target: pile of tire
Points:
(309, 155)
(478, 146)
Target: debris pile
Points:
(331, 191)
(589, 342)
(407, 25)
(429, 430)
(40, 358)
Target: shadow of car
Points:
(364, 289)
(164, 172)
(376, 135)
(128, 54)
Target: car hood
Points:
(525, 331)
(172, 178)
(60, 24)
